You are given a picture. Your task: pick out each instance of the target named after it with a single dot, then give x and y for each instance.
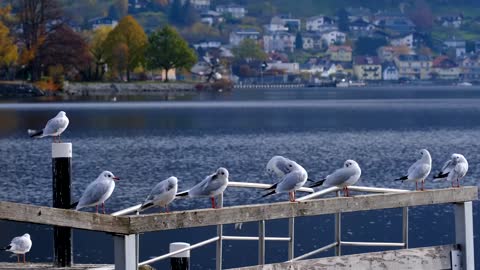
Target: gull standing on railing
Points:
(54, 127)
(97, 192)
(162, 194)
(343, 177)
(20, 245)
(293, 180)
(419, 170)
(454, 169)
(278, 166)
(213, 185)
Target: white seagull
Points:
(294, 179)
(213, 185)
(278, 166)
(419, 170)
(162, 194)
(454, 169)
(20, 245)
(54, 127)
(343, 177)
(98, 191)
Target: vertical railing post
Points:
(125, 250)
(338, 231)
(464, 233)
(220, 236)
(261, 242)
(291, 235)
(405, 226)
(61, 189)
(180, 261)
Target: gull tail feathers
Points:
(274, 186)
(35, 133)
(7, 247)
(270, 193)
(317, 184)
(146, 205)
(403, 178)
(440, 175)
(182, 194)
(74, 205)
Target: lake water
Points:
(146, 140)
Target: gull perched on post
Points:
(419, 170)
(454, 169)
(213, 185)
(343, 177)
(54, 127)
(294, 179)
(20, 245)
(162, 194)
(97, 192)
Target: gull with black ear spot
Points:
(343, 177)
(97, 192)
(453, 170)
(419, 170)
(213, 185)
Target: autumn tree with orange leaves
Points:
(8, 50)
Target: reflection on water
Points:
(146, 142)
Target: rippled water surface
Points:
(146, 141)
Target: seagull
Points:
(97, 192)
(454, 169)
(213, 185)
(278, 166)
(419, 170)
(54, 127)
(343, 177)
(20, 245)
(162, 194)
(293, 180)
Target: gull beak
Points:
(116, 178)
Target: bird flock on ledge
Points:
(291, 176)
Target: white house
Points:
(207, 44)
(289, 68)
(458, 45)
(102, 21)
(312, 41)
(279, 41)
(320, 23)
(334, 37)
(403, 41)
(235, 11)
(236, 37)
(389, 71)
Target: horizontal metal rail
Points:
(163, 257)
(262, 186)
(377, 190)
(371, 244)
(254, 238)
(316, 251)
(126, 211)
(318, 194)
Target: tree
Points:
(168, 50)
(343, 21)
(98, 50)
(249, 51)
(298, 41)
(8, 49)
(369, 46)
(129, 33)
(38, 18)
(175, 12)
(422, 16)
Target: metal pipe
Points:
(372, 244)
(338, 231)
(377, 190)
(127, 211)
(253, 238)
(261, 242)
(311, 253)
(262, 186)
(405, 226)
(291, 235)
(168, 255)
(219, 256)
(318, 194)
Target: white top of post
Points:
(177, 246)
(61, 150)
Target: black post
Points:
(180, 261)
(61, 176)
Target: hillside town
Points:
(356, 44)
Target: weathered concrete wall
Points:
(125, 89)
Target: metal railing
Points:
(261, 238)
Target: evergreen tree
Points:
(343, 21)
(299, 41)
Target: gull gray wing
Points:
(291, 181)
(94, 192)
(159, 188)
(206, 187)
(20, 243)
(338, 177)
(54, 124)
(448, 166)
(420, 171)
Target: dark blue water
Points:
(146, 141)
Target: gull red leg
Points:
(166, 208)
(213, 202)
(18, 258)
(293, 193)
(24, 258)
(103, 206)
(423, 187)
(348, 191)
(96, 206)
(416, 186)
